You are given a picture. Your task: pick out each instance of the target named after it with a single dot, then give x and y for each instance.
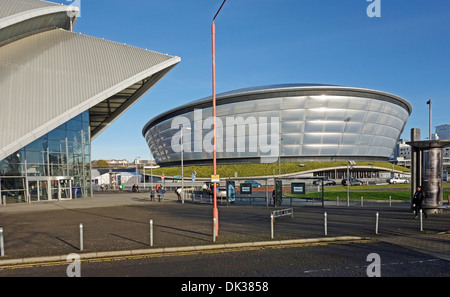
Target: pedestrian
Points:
(159, 195)
(152, 194)
(274, 198)
(179, 193)
(417, 201)
(163, 191)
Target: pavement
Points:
(118, 224)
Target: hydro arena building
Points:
(58, 91)
(297, 122)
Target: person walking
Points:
(152, 194)
(417, 201)
(163, 191)
(178, 191)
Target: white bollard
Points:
(2, 248)
(362, 201)
(325, 222)
(390, 201)
(81, 237)
(151, 232)
(376, 223)
(271, 226)
(421, 221)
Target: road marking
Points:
(365, 266)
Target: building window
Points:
(62, 153)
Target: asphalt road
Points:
(347, 259)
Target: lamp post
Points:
(215, 210)
(349, 165)
(182, 161)
(136, 160)
(429, 103)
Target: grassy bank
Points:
(255, 170)
(397, 192)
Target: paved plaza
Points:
(119, 223)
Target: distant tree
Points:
(101, 163)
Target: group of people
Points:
(160, 191)
(135, 188)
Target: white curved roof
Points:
(51, 76)
(19, 18)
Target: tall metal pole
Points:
(182, 167)
(215, 210)
(429, 103)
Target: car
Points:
(254, 183)
(326, 182)
(398, 180)
(222, 192)
(353, 182)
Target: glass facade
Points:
(310, 127)
(53, 167)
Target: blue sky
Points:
(405, 52)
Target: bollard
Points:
(271, 226)
(390, 201)
(421, 221)
(214, 229)
(2, 248)
(325, 222)
(151, 232)
(81, 237)
(376, 223)
(362, 201)
(337, 201)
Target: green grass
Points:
(255, 170)
(381, 192)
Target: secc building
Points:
(296, 122)
(58, 91)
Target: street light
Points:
(349, 165)
(429, 103)
(182, 165)
(136, 163)
(215, 210)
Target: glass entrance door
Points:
(38, 190)
(43, 190)
(65, 189)
(54, 190)
(33, 188)
(50, 188)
